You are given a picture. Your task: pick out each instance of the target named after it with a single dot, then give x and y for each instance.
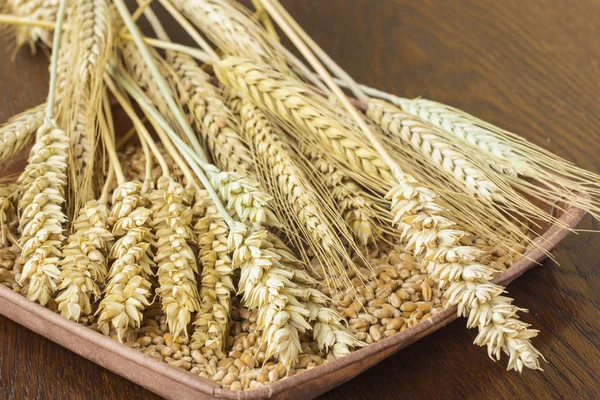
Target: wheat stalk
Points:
(212, 321)
(128, 288)
(84, 265)
(172, 217)
(213, 119)
(266, 285)
(294, 194)
(142, 76)
(41, 216)
(19, 131)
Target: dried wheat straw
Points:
(172, 218)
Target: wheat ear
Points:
(266, 285)
(288, 100)
(128, 289)
(41, 215)
(356, 208)
(231, 27)
(328, 325)
(19, 131)
(514, 159)
(298, 202)
(216, 123)
(212, 321)
(90, 43)
(172, 217)
(44, 10)
(84, 263)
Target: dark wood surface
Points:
(532, 67)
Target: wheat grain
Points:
(288, 100)
(176, 262)
(19, 131)
(41, 215)
(128, 288)
(207, 110)
(212, 321)
(84, 264)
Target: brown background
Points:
(532, 67)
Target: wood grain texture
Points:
(530, 67)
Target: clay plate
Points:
(174, 383)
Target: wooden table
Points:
(532, 67)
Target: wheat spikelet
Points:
(19, 131)
(128, 288)
(176, 262)
(294, 194)
(7, 214)
(217, 125)
(233, 101)
(212, 321)
(41, 215)
(44, 10)
(84, 264)
(266, 285)
(232, 28)
(288, 100)
(356, 209)
(242, 195)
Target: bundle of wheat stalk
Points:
(251, 214)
